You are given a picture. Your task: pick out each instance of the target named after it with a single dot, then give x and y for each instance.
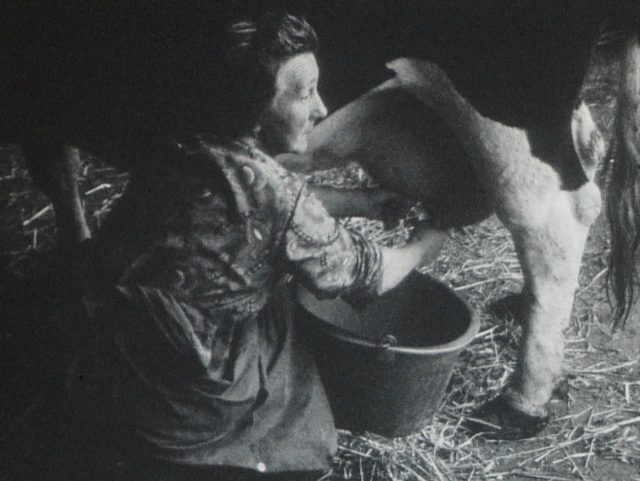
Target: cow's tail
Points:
(623, 184)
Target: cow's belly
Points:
(406, 148)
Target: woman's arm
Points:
(397, 263)
(331, 260)
(373, 203)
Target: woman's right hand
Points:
(422, 249)
(428, 242)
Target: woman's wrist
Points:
(397, 263)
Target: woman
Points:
(202, 373)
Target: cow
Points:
(116, 81)
(533, 165)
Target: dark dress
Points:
(196, 360)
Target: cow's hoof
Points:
(511, 306)
(498, 419)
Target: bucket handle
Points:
(385, 343)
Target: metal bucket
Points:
(386, 367)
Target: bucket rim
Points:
(452, 346)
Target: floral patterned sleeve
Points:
(328, 258)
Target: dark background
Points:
(112, 73)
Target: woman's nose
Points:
(319, 110)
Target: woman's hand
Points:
(428, 242)
(374, 203)
(422, 249)
(390, 207)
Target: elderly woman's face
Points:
(295, 107)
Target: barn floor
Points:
(594, 435)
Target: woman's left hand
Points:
(392, 207)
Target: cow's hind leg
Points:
(550, 254)
(549, 227)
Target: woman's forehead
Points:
(297, 72)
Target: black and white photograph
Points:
(324, 240)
